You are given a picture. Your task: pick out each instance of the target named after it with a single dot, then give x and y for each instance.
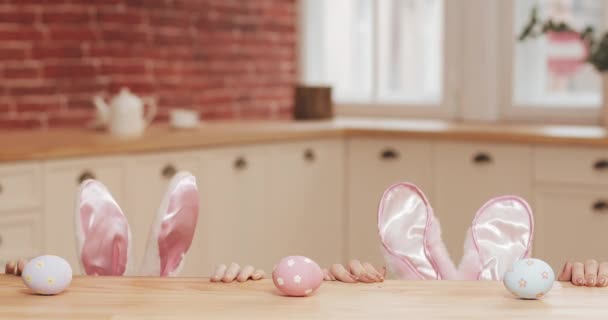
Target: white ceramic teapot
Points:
(124, 115)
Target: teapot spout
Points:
(103, 110)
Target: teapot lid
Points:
(125, 99)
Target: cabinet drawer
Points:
(571, 225)
(571, 165)
(389, 161)
(19, 186)
(20, 236)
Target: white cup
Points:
(183, 118)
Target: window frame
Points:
(447, 106)
(511, 112)
(477, 77)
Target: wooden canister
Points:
(313, 102)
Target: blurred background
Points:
(295, 115)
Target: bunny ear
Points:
(102, 232)
(173, 229)
(501, 234)
(410, 235)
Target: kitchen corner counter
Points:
(66, 143)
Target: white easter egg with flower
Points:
(297, 276)
(47, 275)
(529, 278)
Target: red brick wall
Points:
(226, 58)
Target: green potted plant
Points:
(596, 52)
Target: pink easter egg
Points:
(297, 276)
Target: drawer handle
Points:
(389, 154)
(309, 155)
(600, 206)
(168, 171)
(601, 165)
(482, 158)
(240, 163)
(85, 175)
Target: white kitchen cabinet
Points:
(231, 228)
(305, 213)
(20, 236)
(571, 165)
(20, 210)
(372, 166)
(148, 178)
(20, 185)
(312, 197)
(62, 179)
(571, 224)
(469, 174)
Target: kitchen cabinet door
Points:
(372, 166)
(571, 165)
(469, 174)
(20, 185)
(20, 236)
(20, 210)
(571, 225)
(148, 180)
(306, 202)
(62, 179)
(232, 228)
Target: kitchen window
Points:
(377, 55)
(451, 59)
(545, 76)
(409, 51)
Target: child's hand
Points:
(235, 272)
(15, 267)
(589, 274)
(357, 272)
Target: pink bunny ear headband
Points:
(501, 233)
(104, 239)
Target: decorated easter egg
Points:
(47, 275)
(529, 279)
(297, 276)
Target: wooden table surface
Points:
(183, 298)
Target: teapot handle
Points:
(152, 109)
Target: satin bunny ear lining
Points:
(404, 218)
(102, 232)
(173, 229)
(501, 233)
(104, 238)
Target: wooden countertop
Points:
(182, 298)
(65, 143)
